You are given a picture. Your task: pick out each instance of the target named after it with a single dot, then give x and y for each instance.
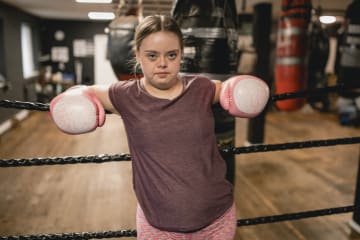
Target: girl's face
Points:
(159, 56)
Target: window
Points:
(27, 51)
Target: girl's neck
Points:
(169, 94)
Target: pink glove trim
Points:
(100, 111)
(225, 95)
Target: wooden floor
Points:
(99, 197)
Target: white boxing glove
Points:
(77, 111)
(244, 96)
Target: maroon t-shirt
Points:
(178, 172)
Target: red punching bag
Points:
(291, 52)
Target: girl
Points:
(178, 173)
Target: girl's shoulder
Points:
(125, 84)
(190, 79)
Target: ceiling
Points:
(71, 10)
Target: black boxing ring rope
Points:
(27, 162)
(132, 233)
(127, 157)
(318, 91)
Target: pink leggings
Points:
(223, 228)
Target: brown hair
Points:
(156, 23)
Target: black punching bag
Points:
(210, 37)
(120, 46)
(319, 48)
(210, 48)
(349, 62)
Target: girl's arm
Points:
(218, 85)
(102, 93)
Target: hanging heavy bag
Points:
(291, 52)
(318, 56)
(210, 47)
(120, 46)
(209, 30)
(350, 62)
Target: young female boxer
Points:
(178, 172)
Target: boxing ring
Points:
(4, 163)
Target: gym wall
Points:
(43, 31)
(10, 56)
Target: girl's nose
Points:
(162, 62)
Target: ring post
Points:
(261, 35)
(355, 221)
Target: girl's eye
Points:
(172, 56)
(152, 56)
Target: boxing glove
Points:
(244, 96)
(77, 111)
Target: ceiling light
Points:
(101, 15)
(327, 19)
(94, 1)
